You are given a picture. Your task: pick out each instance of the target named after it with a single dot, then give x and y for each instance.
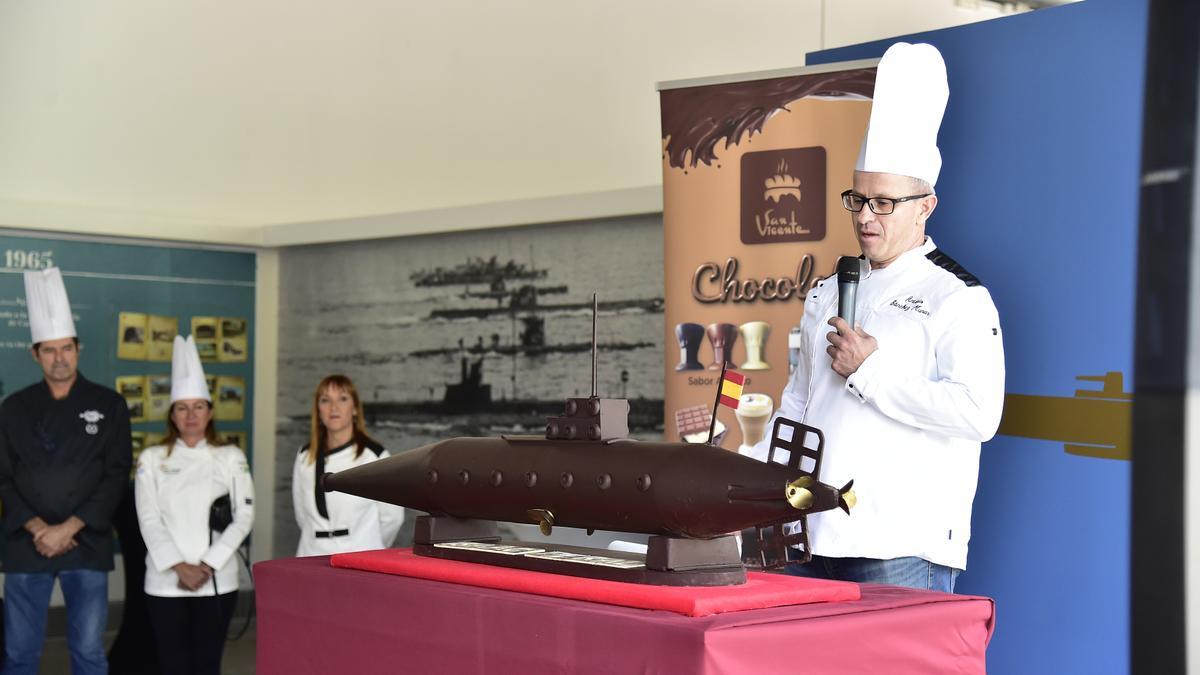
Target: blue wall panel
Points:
(1041, 148)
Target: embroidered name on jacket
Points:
(911, 304)
(91, 417)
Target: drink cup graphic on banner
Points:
(754, 337)
(689, 336)
(752, 414)
(721, 336)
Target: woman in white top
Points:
(191, 569)
(335, 522)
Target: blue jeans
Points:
(912, 572)
(26, 604)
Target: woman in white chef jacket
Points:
(335, 522)
(191, 570)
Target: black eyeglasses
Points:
(880, 206)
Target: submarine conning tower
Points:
(590, 419)
(593, 418)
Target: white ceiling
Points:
(213, 120)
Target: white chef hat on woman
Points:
(187, 375)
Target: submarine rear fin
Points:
(773, 544)
(801, 456)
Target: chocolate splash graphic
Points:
(695, 119)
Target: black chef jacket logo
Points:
(91, 417)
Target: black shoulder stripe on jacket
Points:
(375, 447)
(303, 449)
(937, 257)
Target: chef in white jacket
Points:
(906, 396)
(336, 522)
(191, 569)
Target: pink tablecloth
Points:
(760, 590)
(313, 618)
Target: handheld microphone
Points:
(847, 273)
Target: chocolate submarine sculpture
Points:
(585, 473)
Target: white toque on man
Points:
(187, 375)
(906, 112)
(47, 305)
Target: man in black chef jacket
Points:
(64, 463)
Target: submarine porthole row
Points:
(531, 479)
(464, 477)
(604, 481)
(433, 476)
(497, 478)
(567, 479)
(643, 482)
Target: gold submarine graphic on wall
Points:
(1093, 423)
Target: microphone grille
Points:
(847, 269)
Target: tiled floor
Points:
(238, 660)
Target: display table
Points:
(313, 618)
(761, 590)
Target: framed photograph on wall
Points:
(158, 400)
(133, 389)
(233, 343)
(131, 336)
(230, 400)
(162, 330)
(206, 333)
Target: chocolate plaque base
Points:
(669, 561)
(724, 576)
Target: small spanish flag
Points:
(731, 388)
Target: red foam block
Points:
(760, 590)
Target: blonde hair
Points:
(318, 438)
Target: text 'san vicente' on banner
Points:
(752, 173)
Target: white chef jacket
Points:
(173, 496)
(907, 425)
(350, 523)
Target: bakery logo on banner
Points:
(783, 195)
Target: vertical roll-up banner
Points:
(753, 169)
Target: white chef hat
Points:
(910, 98)
(187, 375)
(47, 305)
